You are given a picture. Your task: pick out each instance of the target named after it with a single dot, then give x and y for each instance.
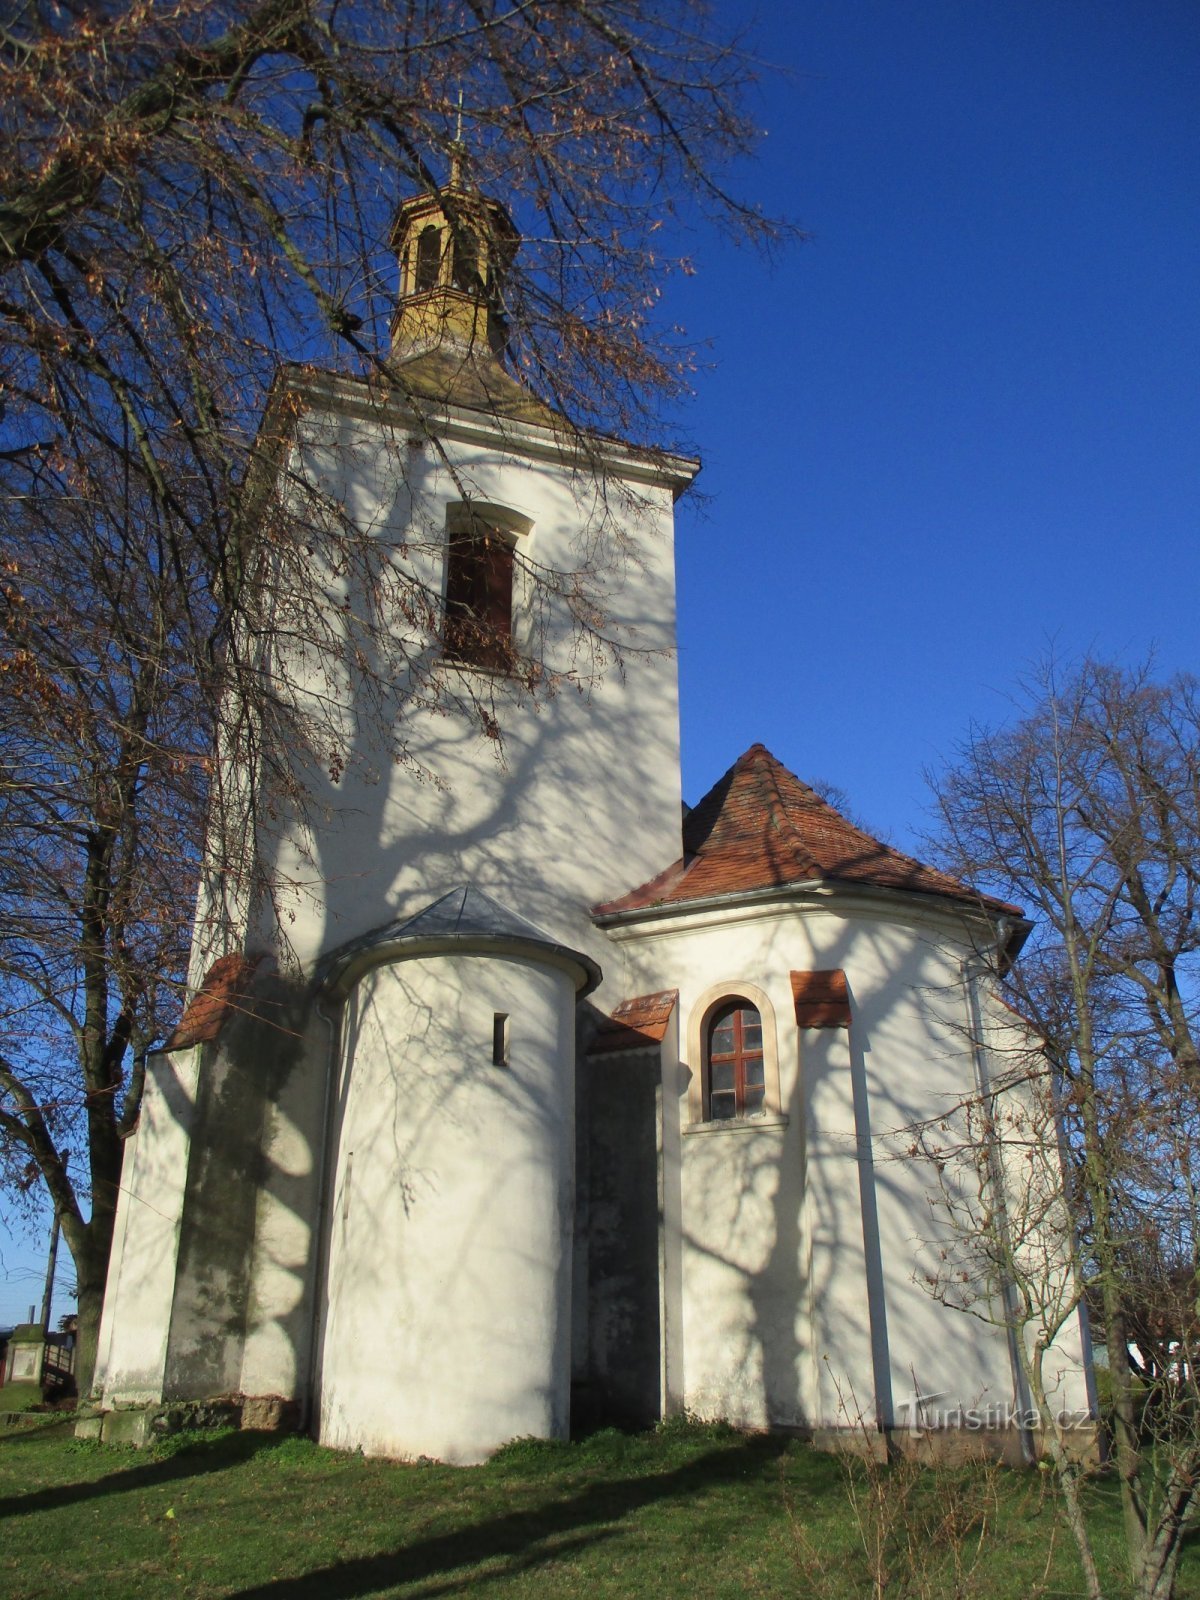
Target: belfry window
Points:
(734, 1072)
(429, 258)
(479, 597)
(466, 262)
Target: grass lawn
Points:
(687, 1510)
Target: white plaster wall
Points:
(522, 820)
(805, 1250)
(136, 1324)
(1038, 1218)
(447, 1321)
(279, 1323)
(582, 799)
(744, 1333)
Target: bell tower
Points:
(400, 1153)
(454, 247)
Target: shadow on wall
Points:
(392, 839)
(256, 1066)
(618, 1362)
(807, 1246)
(782, 1256)
(519, 818)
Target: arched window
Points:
(429, 258)
(733, 1052)
(466, 263)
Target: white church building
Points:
(557, 1105)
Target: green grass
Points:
(687, 1510)
(20, 1396)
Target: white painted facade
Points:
(802, 1244)
(135, 1328)
(312, 1276)
(357, 1197)
(461, 1254)
(506, 818)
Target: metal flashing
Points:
(463, 921)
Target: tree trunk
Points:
(1127, 1446)
(1163, 1544)
(1159, 1565)
(90, 1245)
(92, 1271)
(1066, 1468)
(1068, 1479)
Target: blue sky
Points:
(957, 428)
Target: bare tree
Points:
(1086, 810)
(194, 191)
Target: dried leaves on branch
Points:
(191, 192)
(1086, 810)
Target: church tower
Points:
(454, 249)
(354, 1184)
(365, 1195)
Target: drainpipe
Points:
(972, 969)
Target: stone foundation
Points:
(142, 1425)
(955, 1446)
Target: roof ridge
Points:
(761, 826)
(849, 823)
(773, 768)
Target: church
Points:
(569, 1101)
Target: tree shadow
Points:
(195, 1459)
(524, 1539)
(242, 1302)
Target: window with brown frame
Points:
(479, 590)
(736, 1079)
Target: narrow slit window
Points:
(500, 1039)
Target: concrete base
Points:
(947, 1446)
(127, 1427)
(864, 1444)
(142, 1425)
(955, 1446)
(959, 1447)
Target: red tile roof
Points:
(822, 999)
(761, 828)
(225, 989)
(636, 1024)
